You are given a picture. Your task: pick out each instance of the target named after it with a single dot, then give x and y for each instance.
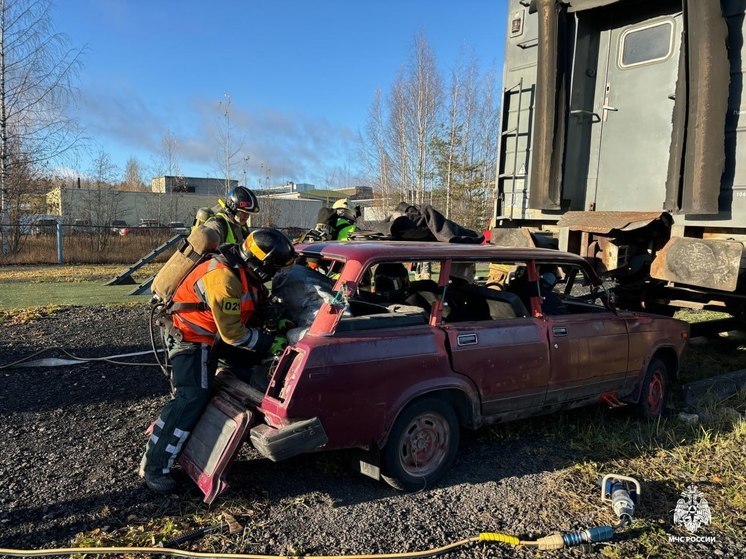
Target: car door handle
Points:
(559, 331)
(467, 339)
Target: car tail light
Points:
(284, 374)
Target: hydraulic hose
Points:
(109, 359)
(163, 365)
(553, 541)
(182, 553)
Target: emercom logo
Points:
(692, 511)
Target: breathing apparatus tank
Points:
(200, 242)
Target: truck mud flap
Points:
(213, 445)
(709, 263)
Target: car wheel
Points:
(654, 390)
(422, 445)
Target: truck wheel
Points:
(654, 390)
(422, 445)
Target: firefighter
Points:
(229, 217)
(345, 221)
(335, 223)
(212, 304)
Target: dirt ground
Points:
(72, 437)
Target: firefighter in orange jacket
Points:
(213, 303)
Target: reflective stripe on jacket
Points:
(231, 301)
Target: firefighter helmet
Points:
(265, 251)
(344, 210)
(241, 199)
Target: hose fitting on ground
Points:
(558, 540)
(623, 493)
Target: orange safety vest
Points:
(198, 324)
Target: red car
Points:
(146, 227)
(413, 342)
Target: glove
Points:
(278, 345)
(285, 324)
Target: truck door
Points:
(625, 125)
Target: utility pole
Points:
(245, 169)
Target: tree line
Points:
(433, 140)
(429, 140)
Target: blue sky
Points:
(301, 74)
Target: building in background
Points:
(193, 185)
(102, 206)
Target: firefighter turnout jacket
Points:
(230, 232)
(216, 300)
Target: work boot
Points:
(160, 483)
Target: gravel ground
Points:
(72, 437)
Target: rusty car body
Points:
(400, 378)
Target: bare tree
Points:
(424, 95)
(398, 143)
(376, 153)
(133, 177)
(37, 68)
(166, 163)
(229, 147)
(101, 201)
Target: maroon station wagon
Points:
(414, 341)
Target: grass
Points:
(26, 289)
(666, 455)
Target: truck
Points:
(622, 140)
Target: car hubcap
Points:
(425, 445)
(655, 393)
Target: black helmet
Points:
(391, 281)
(241, 199)
(265, 251)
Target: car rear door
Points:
(508, 361)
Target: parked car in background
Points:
(81, 226)
(178, 228)
(117, 225)
(146, 227)
(44, 226)
(397, 363)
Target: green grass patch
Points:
(27, 296)
(71, 274)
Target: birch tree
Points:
(229, 146)
(133, 177)
(37, 70)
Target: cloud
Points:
(280, 145)
(120, 115)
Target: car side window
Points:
(479, 291)
(578, 293)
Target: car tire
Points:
(422, 445)
(655, 390)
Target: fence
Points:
(87, 244)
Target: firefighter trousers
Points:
(193, 373)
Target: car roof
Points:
(384, 250)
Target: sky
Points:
(301, 76)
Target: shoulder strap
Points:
(230, 237)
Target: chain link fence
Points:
(49, 242)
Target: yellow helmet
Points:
(344, 210)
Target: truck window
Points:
(646, 44)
